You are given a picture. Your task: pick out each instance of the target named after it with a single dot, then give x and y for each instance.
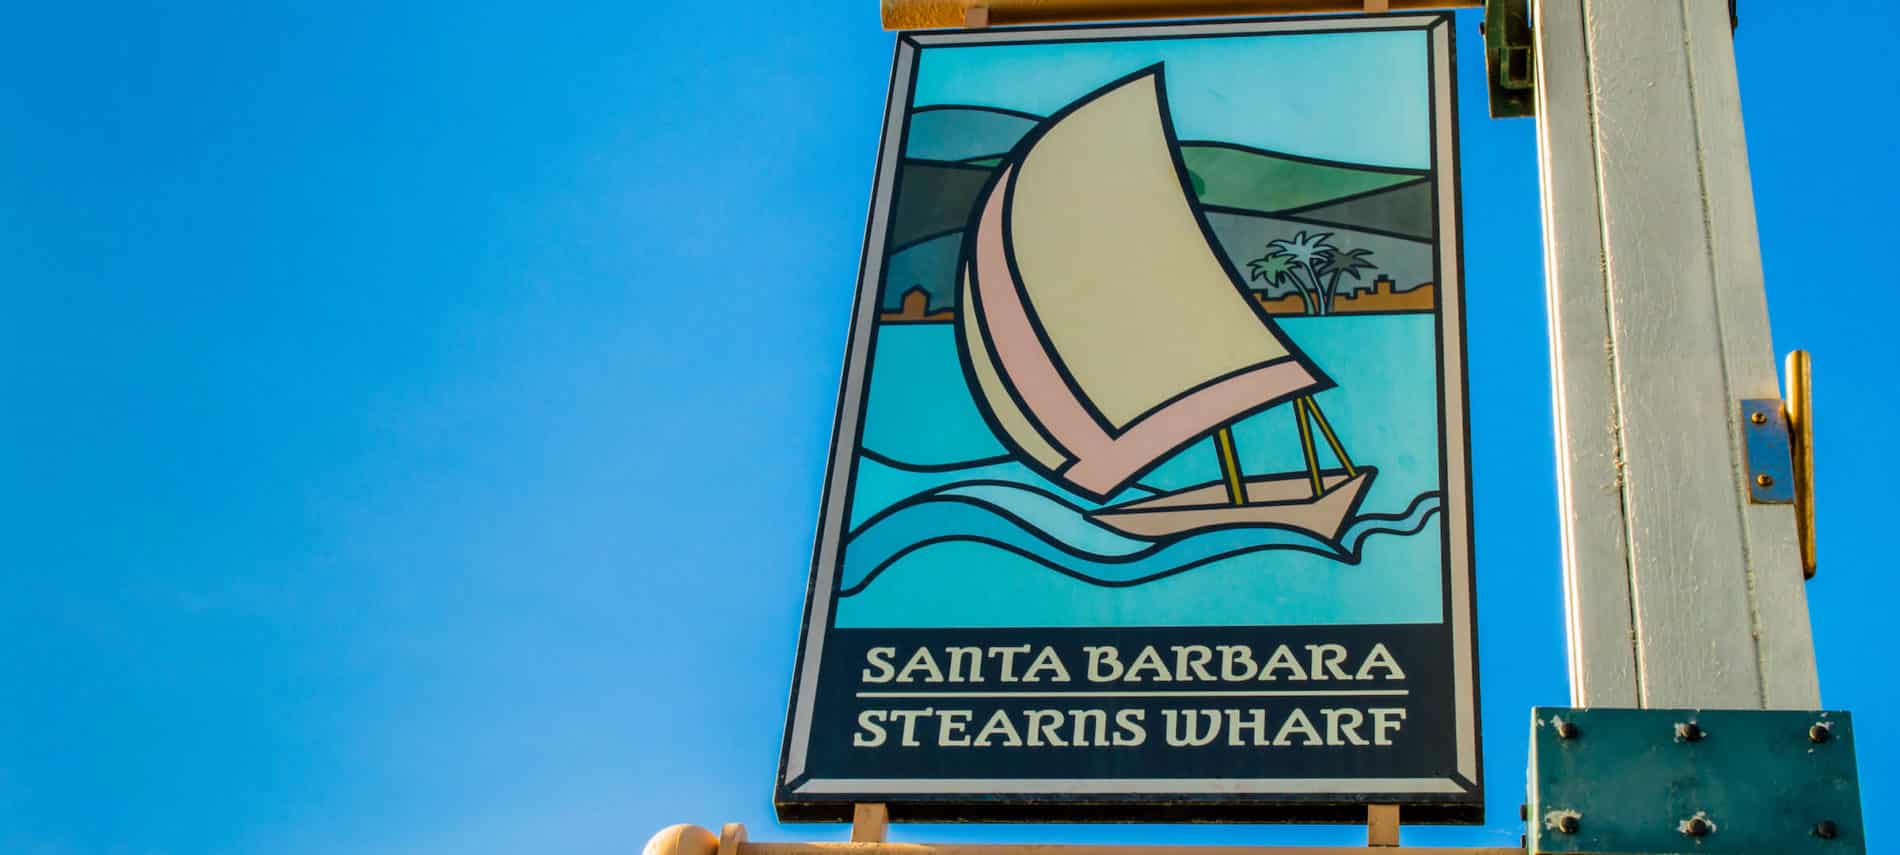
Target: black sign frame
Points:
(1431, 761)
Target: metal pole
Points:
(1678, 591)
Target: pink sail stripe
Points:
(1021, 359)
(1102, 462)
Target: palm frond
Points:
(1348, 262)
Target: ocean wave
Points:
(883, 482)
(1056, 533)
(952, 466)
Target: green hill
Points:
(1249, 180)
(936, 197)
(954, 132)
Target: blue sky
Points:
(414, 416)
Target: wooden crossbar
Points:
(937, 14)
(692, 840)
(1087, 849)
(1095, 850)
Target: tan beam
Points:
(692, 840)
(1078, 849)
(937, 14)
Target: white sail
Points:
(1101, 325)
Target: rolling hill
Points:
(1249, 196)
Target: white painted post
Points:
(1678, 592)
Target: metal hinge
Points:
(1778, 443)
(1509, 62)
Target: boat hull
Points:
(1285, 500)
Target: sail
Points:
(1099, 324)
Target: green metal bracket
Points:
(1692, 782)
(1508, 58)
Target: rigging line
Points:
(1230, 465)
(1339, 450)
(1306, 445)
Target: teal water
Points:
(985, 541)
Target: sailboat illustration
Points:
(1103, 331)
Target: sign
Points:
(1148, 494)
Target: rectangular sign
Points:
(1148, 494)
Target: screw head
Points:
(1689, 732)
(1567, 730)
(1697, 827)
(1567, 825)
(1765, 480)
(1524, 812)
(1826, 829)
(1758, 418)
(1819, 734)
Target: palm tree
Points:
(1276, 269)
(1346, 262)
(1307, 254)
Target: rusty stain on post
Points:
(939, 14)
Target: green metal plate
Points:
(1632, 784)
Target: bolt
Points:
(1567, 825)
(1818, 734)
(1765, 480)
(1524, 812)
(1689, 732)
(1697, 827)
(1759, 418)
(1480, 28)
(1566, 730)
(1826, 829)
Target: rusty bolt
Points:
(1759, 418)
(1689, 732)
(1697, 827)
(1566, 730)
(1826, 829)
(1819, 734)
(1765, 480)
(1567, 825)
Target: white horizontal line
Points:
(1264, 693)
(1198, 786)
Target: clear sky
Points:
(412, 416)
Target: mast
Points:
(1230, 465)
